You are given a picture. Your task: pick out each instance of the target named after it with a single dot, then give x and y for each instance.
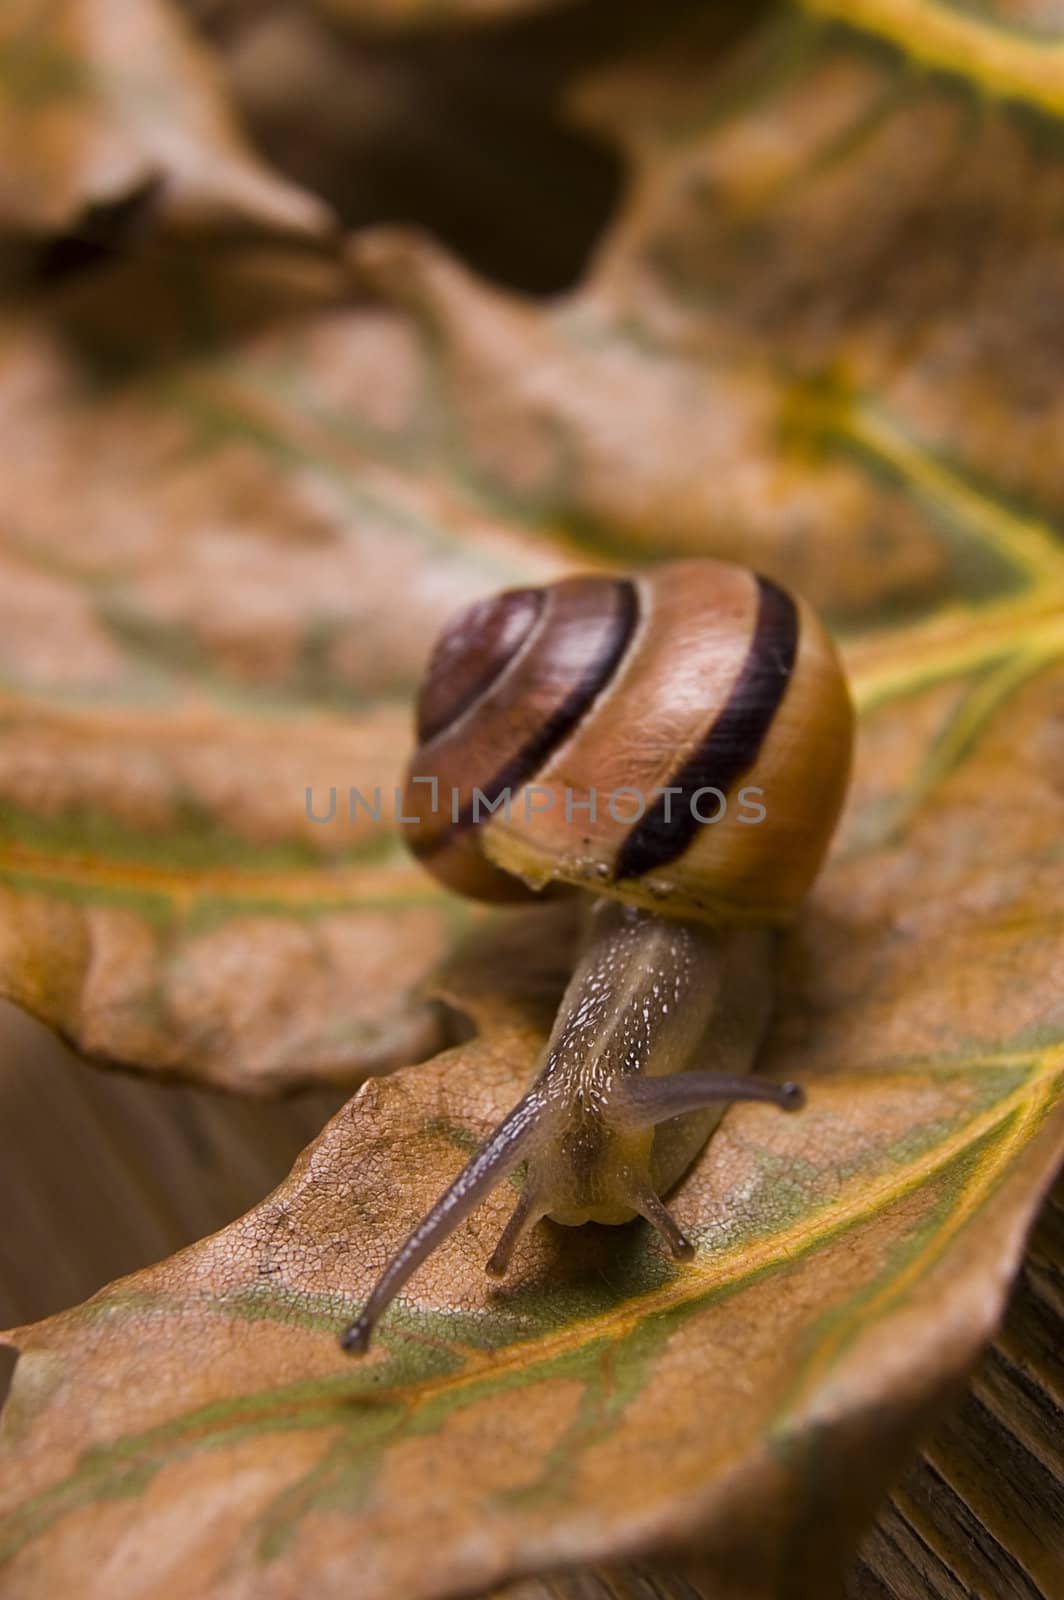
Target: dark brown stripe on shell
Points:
(556, 728)
(470, 654)
(733, 742)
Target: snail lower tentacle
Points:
(493, 1161)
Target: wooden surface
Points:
(101, 1173)
(982, 1512)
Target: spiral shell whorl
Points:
(470, 653)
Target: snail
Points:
(571, 736)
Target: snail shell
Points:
(696, 676)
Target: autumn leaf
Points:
(221, 479)
(107, 109)
(819, 337)
(221, 637)
(849, 1262)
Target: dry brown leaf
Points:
(850, 1263)
(107, 104)
(221, 479)
(200, 623)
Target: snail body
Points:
(541, 712)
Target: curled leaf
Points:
(243, 498)
(107, 106)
